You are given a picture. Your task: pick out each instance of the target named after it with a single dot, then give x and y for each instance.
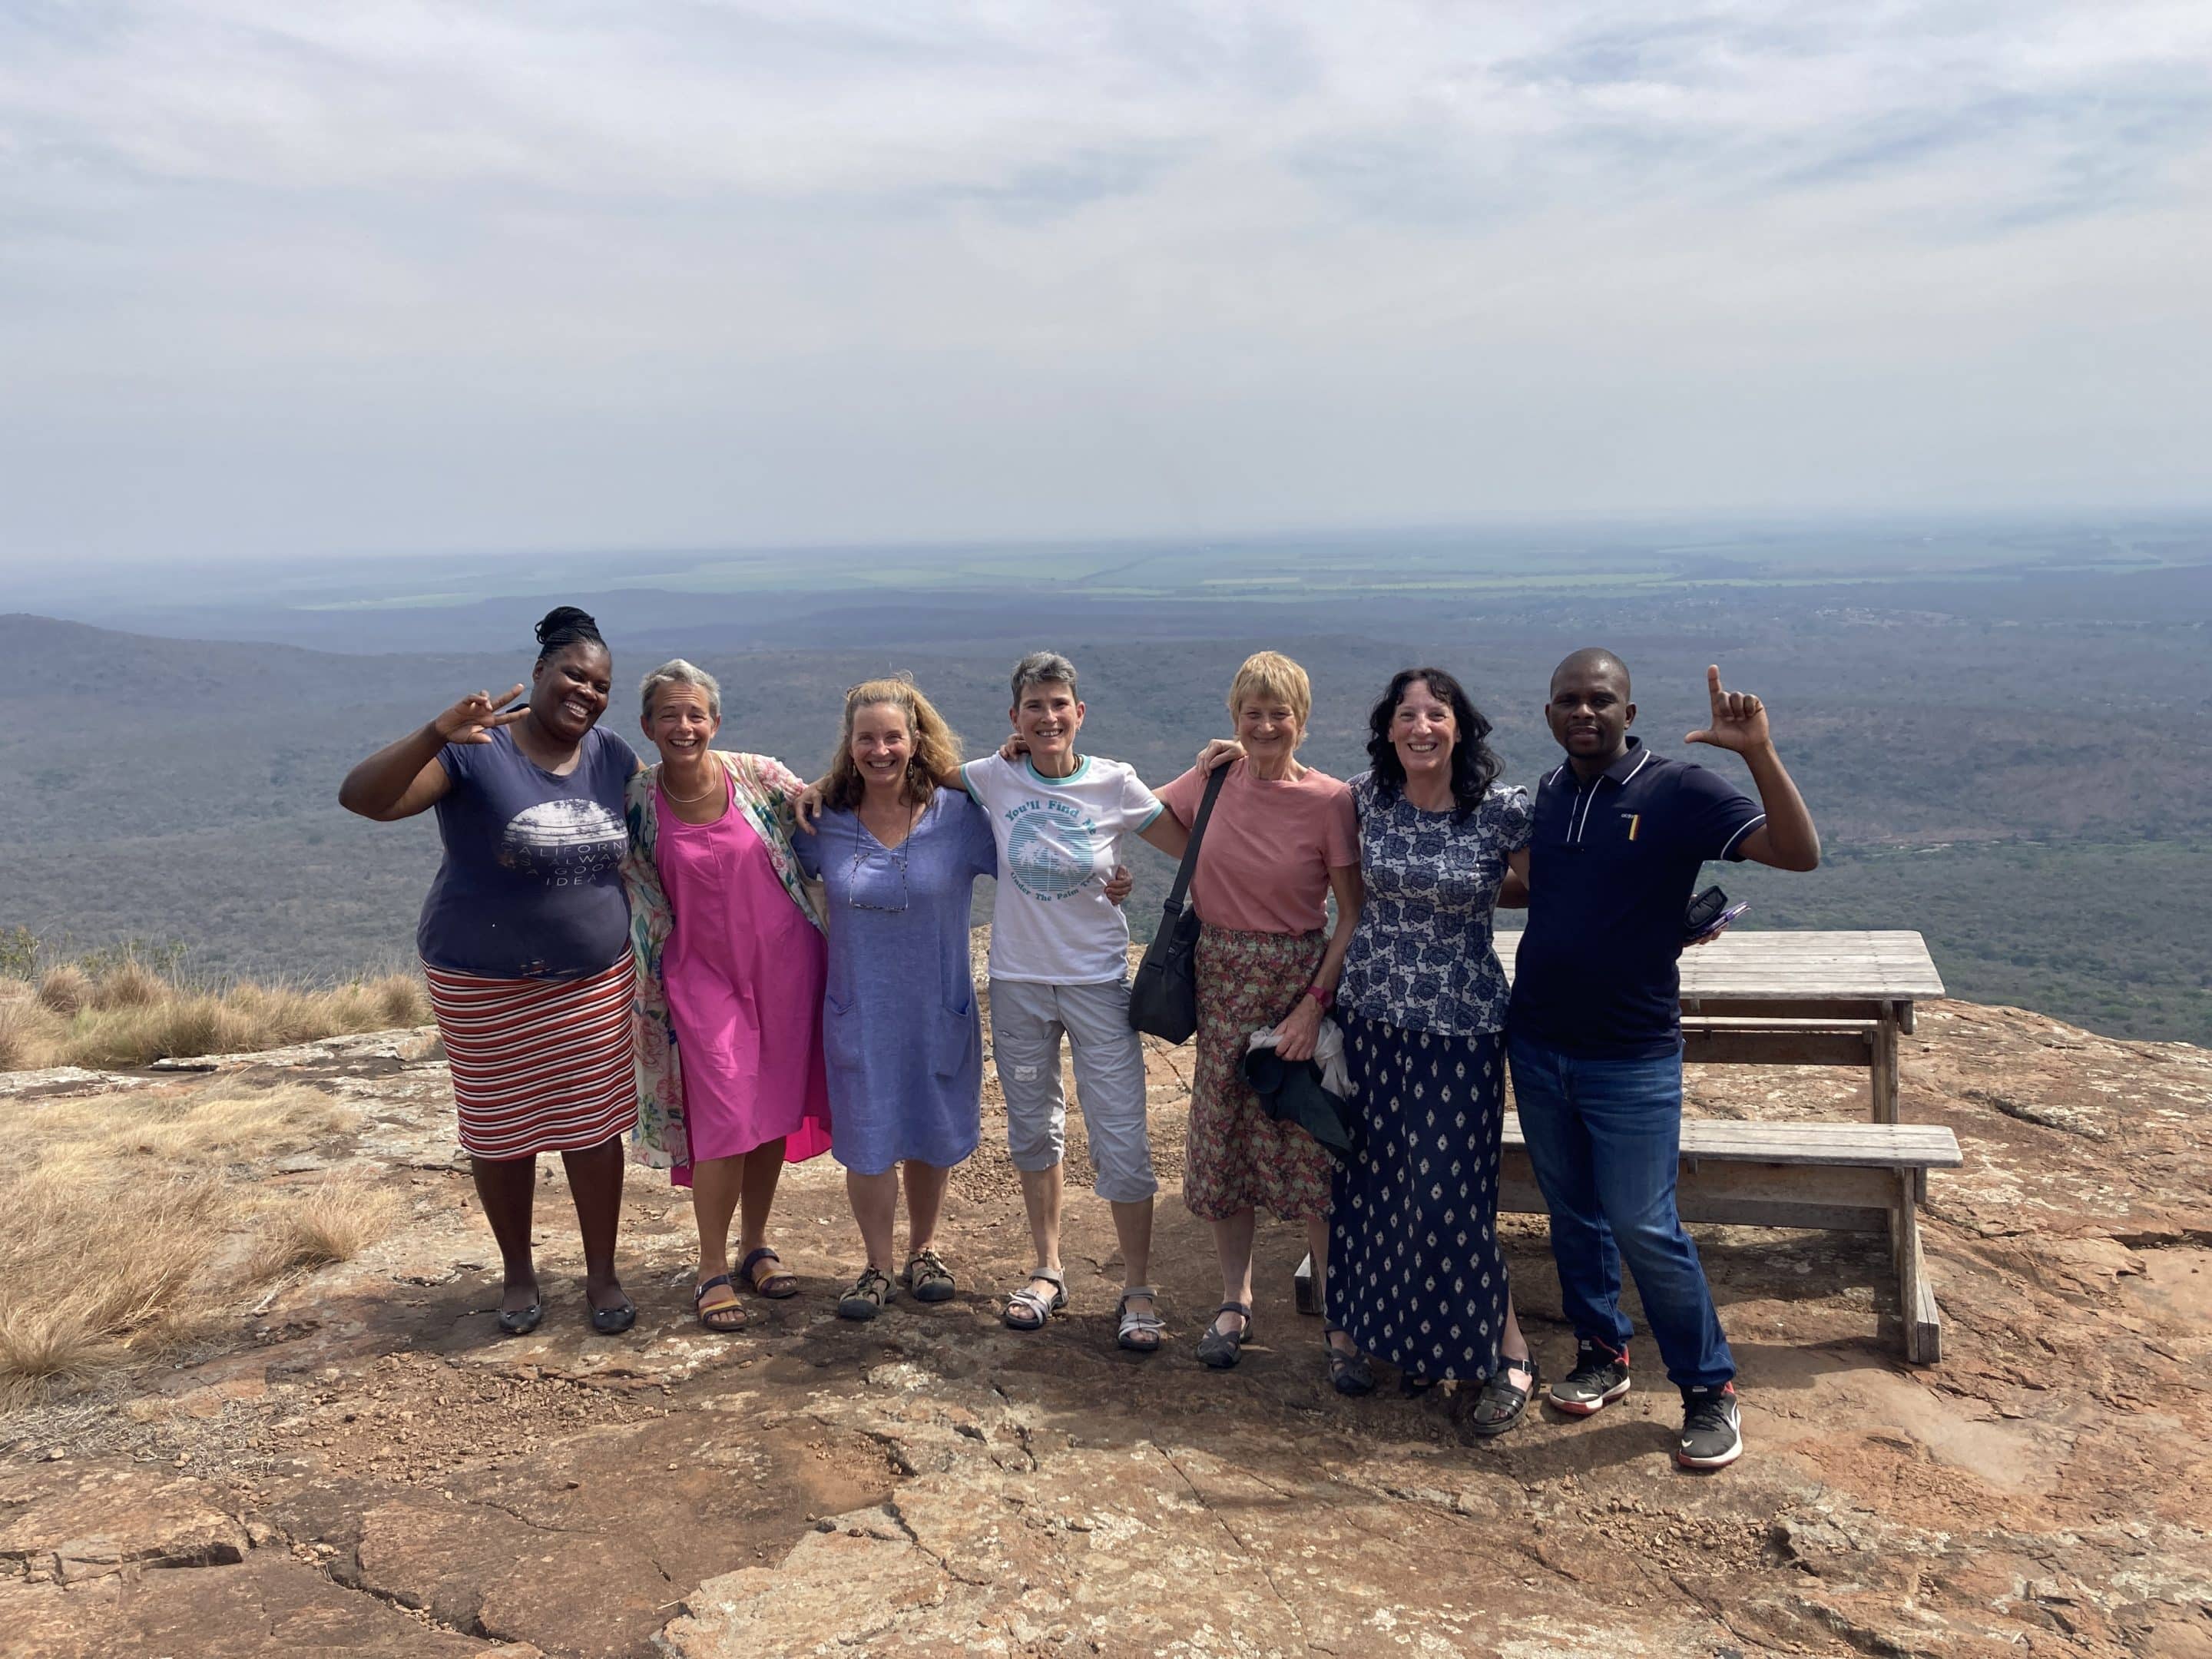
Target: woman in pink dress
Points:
(731, 960)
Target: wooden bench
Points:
(1850, 1177)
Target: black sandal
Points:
(775, 1286)
(1501, 1405)
(1222, 1349)
(1348, 1368)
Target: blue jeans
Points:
(1605, 1138)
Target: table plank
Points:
(1886, 1145)
(1800, 964)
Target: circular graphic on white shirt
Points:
(567, 842)
(1051, 859)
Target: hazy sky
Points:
(348, 275)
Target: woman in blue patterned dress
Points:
(1416, 1278)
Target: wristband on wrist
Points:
(1327, 999)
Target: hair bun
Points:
(566, 620)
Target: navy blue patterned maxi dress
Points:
(1415, 1271)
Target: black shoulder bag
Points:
(1163, 1001)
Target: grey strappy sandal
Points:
(1027, 1309)
(1140, 1332)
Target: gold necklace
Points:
(685, 800)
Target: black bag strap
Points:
(1174, 906)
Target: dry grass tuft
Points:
(129, 1015)
(65, 990)
(94, 1273)
(120, 1209)
(27, 1034)
(221, 1125)
(336, 1223)
(128, 984)
(400, 1000)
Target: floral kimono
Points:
(764, 791)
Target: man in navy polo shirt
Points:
(1593, 1037)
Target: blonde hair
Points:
(936, 752)
(1271, 674)
(677, 671)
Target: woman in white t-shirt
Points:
(1060, 956)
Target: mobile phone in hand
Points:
(1720, 923)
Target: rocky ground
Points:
(362, 1466)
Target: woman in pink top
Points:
(1282, 838)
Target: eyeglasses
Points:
(877, 880)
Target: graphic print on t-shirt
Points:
(1052, 850)
(567, 842)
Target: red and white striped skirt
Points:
(539, 1065)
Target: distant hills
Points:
(2021, 767)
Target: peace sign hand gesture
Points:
(1739, 719)
(474, 718)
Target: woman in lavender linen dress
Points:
(898, 858)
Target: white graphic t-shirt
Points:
(1059, 840)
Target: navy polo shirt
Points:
(1612, 866)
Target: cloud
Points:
(463, 274)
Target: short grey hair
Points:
(1043, 668)
(680, 672)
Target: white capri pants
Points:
(1027, 1022)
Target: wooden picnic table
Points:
(1816, 997)
(1810, 998)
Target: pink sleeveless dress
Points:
(744, 969)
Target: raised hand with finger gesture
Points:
(477, 716)
(1739, 719)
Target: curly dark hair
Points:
(1473, 765)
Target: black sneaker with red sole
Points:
(1712, 1429)
(1598, 1378)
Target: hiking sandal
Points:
(777, 1285)
(1221, 1349)
(1348, 1370)
(928, 1278)
(722, 1317)
(1140, 1332)
(871, 1293)
(1027, 1309)
(1500, 1405)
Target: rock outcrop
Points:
(357, 1463)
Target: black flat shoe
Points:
(520, 1321)
(613, 1321)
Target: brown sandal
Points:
(775, 1284)
(723, 1318)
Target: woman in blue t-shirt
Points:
(524, 940)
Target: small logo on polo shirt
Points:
(1634, 819)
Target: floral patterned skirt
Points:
(1237, 1158)
(1414, 1270)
